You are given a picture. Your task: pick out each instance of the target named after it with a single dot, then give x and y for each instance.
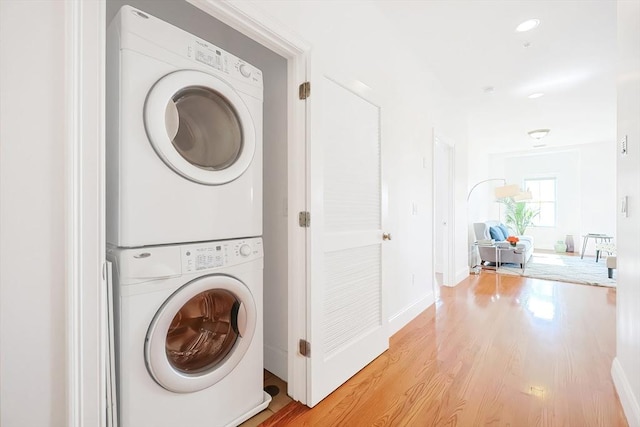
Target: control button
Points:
(244, 70)
(245, 250)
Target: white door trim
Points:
(85, 196)
(450, 272)
(84, 203)
(253, 23)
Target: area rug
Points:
(563, 268)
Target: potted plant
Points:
(518, 215)
(560, 246)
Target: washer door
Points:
(200, 127)
(200, 333)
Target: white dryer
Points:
(184, 137)
(188, 333)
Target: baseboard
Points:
(629, 401)
(275, 361)
(462, 274)
(458, 277)
(407, 314)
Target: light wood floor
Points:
(495, 350)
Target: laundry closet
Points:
(274, 166)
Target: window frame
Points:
(538, 203)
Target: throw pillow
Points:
(505, 230)
(496, 234)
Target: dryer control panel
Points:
(208, 54)
(206, 256)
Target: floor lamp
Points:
(501, 192)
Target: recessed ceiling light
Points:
(538, 133)
(535, 95)
(528, 25)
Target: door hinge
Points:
(305, 90)
(304, 219)
(305, 348)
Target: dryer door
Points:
(200, 333)
(200, 127)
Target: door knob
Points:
(386, 236)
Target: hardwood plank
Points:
(494, 350)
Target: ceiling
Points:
(570, 57)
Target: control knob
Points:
(245, 250)
(244, 70)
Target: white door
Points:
(347, 324)
(443, 211)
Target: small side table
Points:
(515, 250)
(599, 238)
(474, 255)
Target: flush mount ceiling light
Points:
(538, 133)
(535, 95)
(528, 25)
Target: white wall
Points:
(585, 183)
(626, 369)
(363, 44)
(32, 222)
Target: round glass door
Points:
(200, 127)
(203, 331)
(200, 333)
(208, 133)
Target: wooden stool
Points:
(607, 247)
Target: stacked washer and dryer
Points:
(184, 220)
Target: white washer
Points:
(184, 137)
(188, 333)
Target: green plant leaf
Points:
(518, 215)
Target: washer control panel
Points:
(202, 258)
(207, 256)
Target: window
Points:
(543, 191)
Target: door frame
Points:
(263, 29)
(85, 265)
(449, 267)
(85, 284)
